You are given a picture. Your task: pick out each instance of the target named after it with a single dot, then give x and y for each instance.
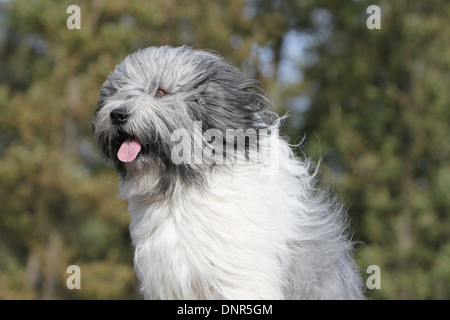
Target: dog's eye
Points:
(160, 93)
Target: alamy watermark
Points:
(231, 146)
(374, 20)
(374, 280)
(74, 280)
(74, 20)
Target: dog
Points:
(220, 206)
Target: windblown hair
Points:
(204, 230)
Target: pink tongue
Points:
(129, 150)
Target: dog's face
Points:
(158, 90)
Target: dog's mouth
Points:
(129, 149)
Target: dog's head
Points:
(156, 91)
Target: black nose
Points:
(119, 116)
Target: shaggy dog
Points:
(220, 206)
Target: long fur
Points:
(205, 230)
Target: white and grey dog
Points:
(209, 219)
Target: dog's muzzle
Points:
(130, 147)
(119, 116)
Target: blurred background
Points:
(374, 104)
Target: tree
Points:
(58, 205)
(379, 115)
(373, 103)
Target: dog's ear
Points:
(227, 98)
(100, 102)
(108, 89)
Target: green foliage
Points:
(381, 111)
(379, 116)
(58, 200)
